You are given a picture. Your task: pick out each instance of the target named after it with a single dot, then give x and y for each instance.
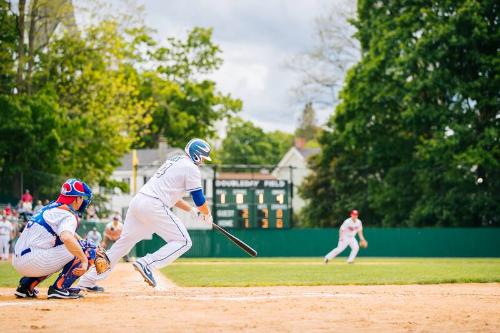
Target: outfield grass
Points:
(216, 272)
(311, 271)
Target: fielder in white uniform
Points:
(150, 212)
(5, 236)
(49, 244)
(347, 237)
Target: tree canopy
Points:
(418, 123)
(75, 100)
(245, 143)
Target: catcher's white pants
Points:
(341, 246)
(4, 247)
(146, 215)
(41, 262)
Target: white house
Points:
(149, 160)
(293, 168)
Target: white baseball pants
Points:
(4, 247)
(146, 215)
(341, 246)
(41, 262)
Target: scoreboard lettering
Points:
(252, 204)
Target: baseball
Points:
(479, 180)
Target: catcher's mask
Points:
(73, 188)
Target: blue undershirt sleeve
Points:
(198, 197)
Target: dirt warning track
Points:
(132, 306)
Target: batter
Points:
(150, 212)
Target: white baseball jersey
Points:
(173, 179)
(5, 228)
(36, 236)
(37, 253)
(350, 228)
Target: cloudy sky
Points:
(256, 37)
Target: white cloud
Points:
(256, 38)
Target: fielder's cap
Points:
(354, 212)
(73, 188)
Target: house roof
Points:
(307, 152)
(148, 157)
(295, 158)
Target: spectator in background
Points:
(92, 214)
(117, 216)
(46, 202)
(38, 206)
(8, 210)
(94, 236)
(27, 201)
(112, 232)
(5, 237)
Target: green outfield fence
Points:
(383, 242)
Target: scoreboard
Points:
(248, 204)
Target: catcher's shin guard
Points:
(67, 277)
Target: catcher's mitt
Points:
(101, 262)
(363, 244)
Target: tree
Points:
(8, 45)
(322, 69)
(99, 91)
(31, 127)
(36, 22)
(246, 143)
(185, 106)
(307, 128)
(418, 122)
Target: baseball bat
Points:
(241, 244)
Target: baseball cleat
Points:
(326, 261)
(94, 289)
(146, 273)
(23, 292)
(75, 290)
(55, 293)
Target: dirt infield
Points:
(130, 305)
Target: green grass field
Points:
(311, 271)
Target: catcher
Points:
(347, 237)
(49, 243)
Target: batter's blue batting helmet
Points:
(198, 150)
(73, 188)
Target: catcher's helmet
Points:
(73, 188)
(198, 150)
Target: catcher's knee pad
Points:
(90, 250)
